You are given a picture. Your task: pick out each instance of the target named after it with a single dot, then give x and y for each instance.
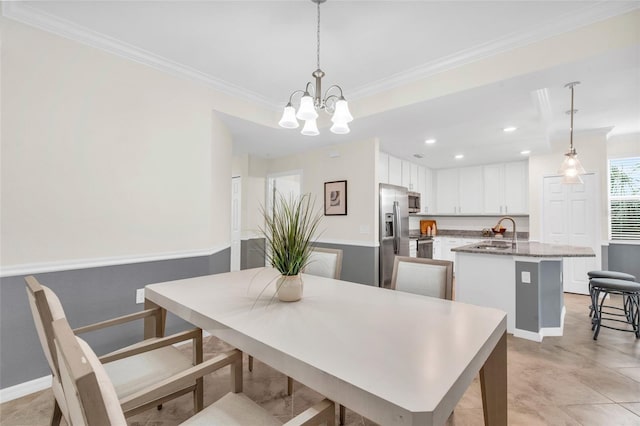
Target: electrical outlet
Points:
(526, 277)
(140, 295)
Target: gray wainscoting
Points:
(359, 263)
(252, 253)
(624, 258)
(88, 296)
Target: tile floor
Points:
(569, 380)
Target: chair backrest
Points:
(89, 393)
(325, 262)
(423, 276)
(45, 308)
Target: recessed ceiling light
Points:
(525, 152)
(510, 129)
(430, 141)
(459, 156)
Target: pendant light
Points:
(571, 169)
(312, 101)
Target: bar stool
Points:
(631, 293)
(606, 274)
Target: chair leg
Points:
(57, 414)
(198, 395)
(342, 415)
(289, 386)
(250, 363)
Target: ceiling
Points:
(263, 50)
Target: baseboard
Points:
(24, 389)
(529, 335)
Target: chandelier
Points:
(312, 101)
(571, 169)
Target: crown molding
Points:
(21, 12)
(562, 24)
(600, 11)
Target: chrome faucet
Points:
(513, 222)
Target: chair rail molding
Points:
(69, 265)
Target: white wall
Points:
(621, 146)
(357, 163)
(103, 157)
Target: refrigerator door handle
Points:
(396, 227)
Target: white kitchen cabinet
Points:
(447, 191)
(425, 188)
(470, 190)
(437, 248)
(395, 171)
(459, 191)
(383, 167)
(406, 174)
(516, 187)
(506, 188)
(413, 182)
(413, 248)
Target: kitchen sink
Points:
(493, 245)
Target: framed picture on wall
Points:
(335, 198)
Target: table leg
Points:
(153, 326)
(493, 382)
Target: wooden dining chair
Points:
(133, 369)
(427, 277)
(92, 398)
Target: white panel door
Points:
(236, 215)
(570, 216)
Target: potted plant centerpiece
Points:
(289, 232)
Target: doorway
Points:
(571, 216)
(286, 184)
(236, 221)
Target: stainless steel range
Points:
(425, 247)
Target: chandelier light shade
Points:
(571, 169)
(312, 101)
(288, 120)
(310, 128)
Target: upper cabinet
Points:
(395, 171)
(495, 189)
(459, 191)
(506, 188)
(383, 167)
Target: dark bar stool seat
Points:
(630, 290)
(605, 274)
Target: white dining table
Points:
(395, 358)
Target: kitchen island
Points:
(524, 279)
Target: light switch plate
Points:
(526, 277)
(140, 295)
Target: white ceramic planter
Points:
(289, 288)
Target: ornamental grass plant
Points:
(289, 232)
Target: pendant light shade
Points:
(307, 111)
(312, 100)
(310, 128)
(571, 169)
(340, 128)
(342, 114)
(288, 120)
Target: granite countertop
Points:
(526, 248)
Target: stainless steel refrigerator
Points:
(394, 229)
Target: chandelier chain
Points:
(318, 37)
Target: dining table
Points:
(395, 358)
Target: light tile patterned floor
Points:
(569, 380)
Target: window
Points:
(624, 198)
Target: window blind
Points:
(624, 198)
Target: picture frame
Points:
(335, 198)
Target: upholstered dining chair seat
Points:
(137, 372)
